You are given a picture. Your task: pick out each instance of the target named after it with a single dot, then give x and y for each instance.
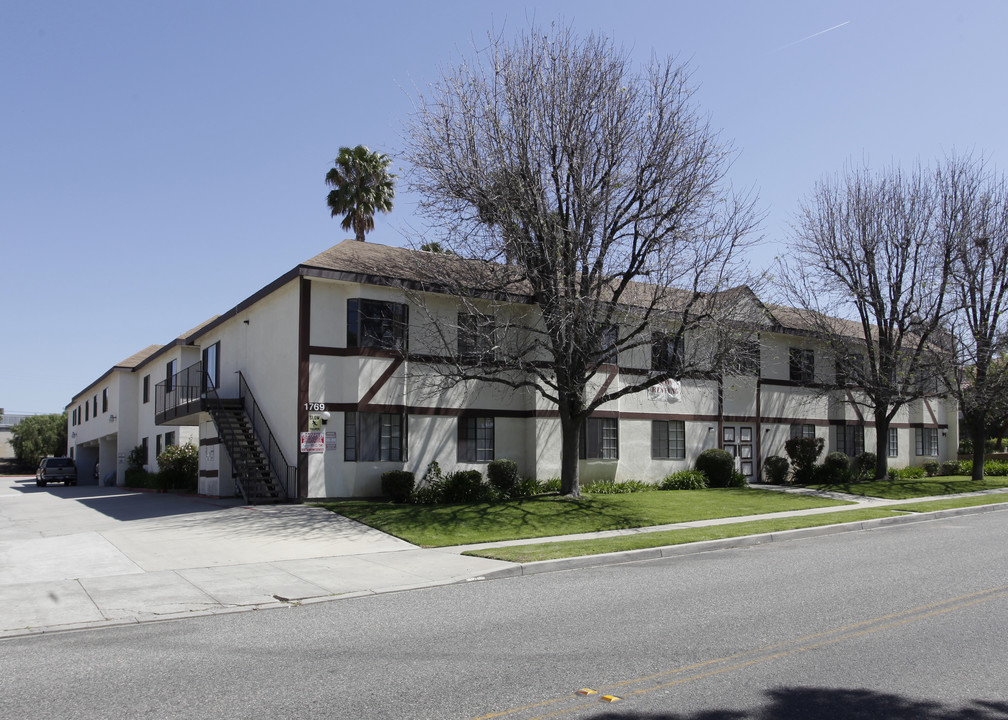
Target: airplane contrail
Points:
(845, 22)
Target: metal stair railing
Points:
(284, 472)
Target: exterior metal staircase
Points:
(249, 463)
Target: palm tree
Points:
(362, 186)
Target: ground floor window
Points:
(374, 437)
(600, 439)
(169, 439)
(157, 444)
(475, 439)
(668, 439)
(850, 439)
(893, 442)
(927, 442)
(802, 431)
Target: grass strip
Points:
(972, 501)
(639, 541)
(544, 516)
(917, 487)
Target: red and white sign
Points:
(668, 390)
(313, 441)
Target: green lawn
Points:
(579, 548)
(920, 487)
(543, 516)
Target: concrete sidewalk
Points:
(84, 557)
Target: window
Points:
(600, 439)
(477, 338)
(157, 445)
(169, 439)
(893, 450)
(668, 439)
(211, 366)
(374, 437)
(666, 353)
(94, 409)
(850, 439)
(146, 388)
(927, 442)
(802, 431)
(377, 324)
(802, 365)
(849, 369)
(104, 400)
(170, 369)
(87, 411)
(609, 338)
(475, 439)
(744, 358)
(144, 451)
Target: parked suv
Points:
(56, 469)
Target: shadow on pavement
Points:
(838, 704)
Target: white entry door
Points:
(739, 441)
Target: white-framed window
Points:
(475, 439)
(893, 445)
(668, 439)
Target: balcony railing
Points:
(180, 395)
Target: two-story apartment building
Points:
(325, 378)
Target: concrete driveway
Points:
(85, 555)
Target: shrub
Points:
(863, 467)
(908, 473)
(138, 478)
(775, 470)
(995, 467)
(397, 484)
(552, 485)
(137, 458)
(465, 486)
(950, 467)
(738, 480)
(931, 467)
(611, 487)
(503, 476)
(835, 469)
(530, 486)
(179, 467)
(966, 447)
(718, 466)
(431, 486)
(685, 480)
(803, 453)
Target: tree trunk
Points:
(979, 430)
(570, 441)
(881, 445)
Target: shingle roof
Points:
(138, 359)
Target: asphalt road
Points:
(907, 622)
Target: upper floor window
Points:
(475, 439)
(744, 358)
(94, 408)
(170, 370)
(802, 365)
(477, 338)
(211, 366)
(666, 352)
(668, 439)
(600, 439)
(87, 411)
(104, 400)
(849, 369)
(146, 388)
(377, 324)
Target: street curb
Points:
(671, 551)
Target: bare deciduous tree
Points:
(868, 246)
(974, 218)
(595, 197)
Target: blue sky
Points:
(161, 161)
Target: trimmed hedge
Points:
(718, 466)
(398, 485)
